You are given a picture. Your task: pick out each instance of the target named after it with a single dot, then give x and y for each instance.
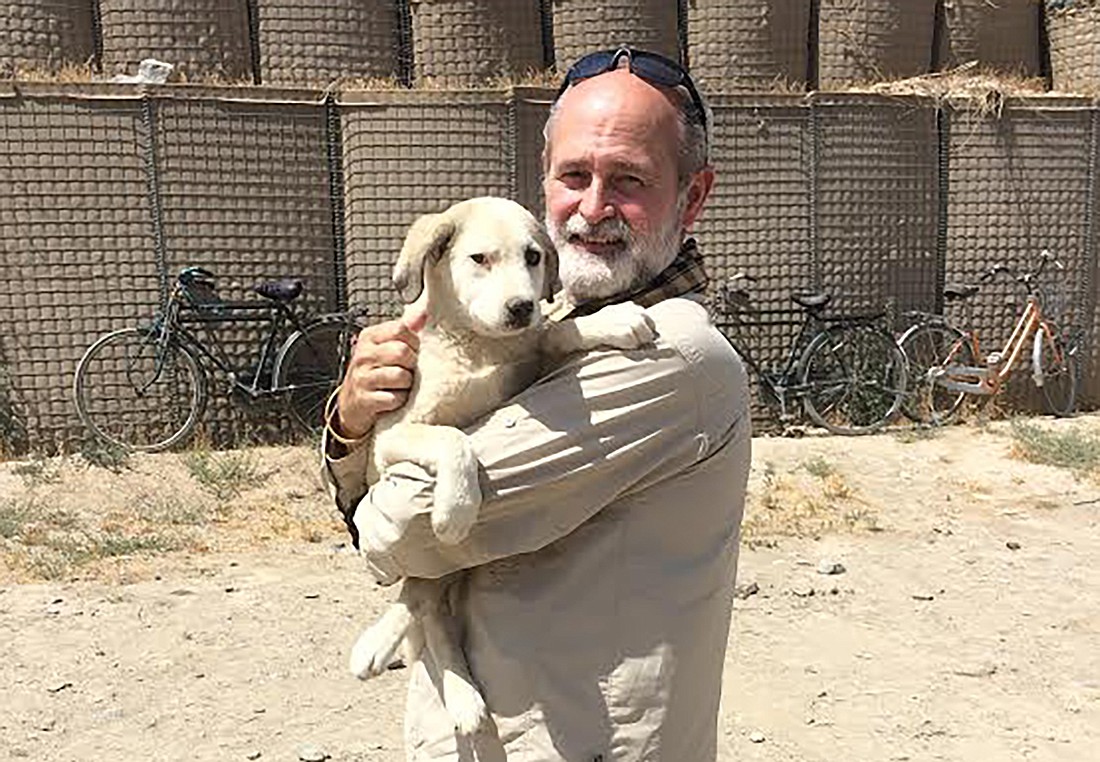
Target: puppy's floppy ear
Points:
(426, 240)
(551, 281)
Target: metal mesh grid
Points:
(877, 202)
(308, 43)
(244, 186)
(532, 107)
(581, 26)
(412, 153)
(757, 220)
(1074, 44)
(77, 245)
(1019, 184)
(36, 34)
(1002, 35)
(861, 41)
(469, 41)
(203, 39)
(749, 44)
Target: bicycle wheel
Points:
(310, 366)
(1056, 360)
(926, 347)
(853, 379)
(135, 391)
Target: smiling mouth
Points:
(603, 246)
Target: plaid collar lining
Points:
(685, 275)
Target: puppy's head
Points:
(487, 262)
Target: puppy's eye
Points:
(479, 259)
(533, 257)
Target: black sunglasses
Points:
(652, 67)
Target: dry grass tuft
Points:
(983, 91)
(1072, 448)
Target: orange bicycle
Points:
(946, 364)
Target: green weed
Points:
(1071, 448)
(818, 466)
(225, 475)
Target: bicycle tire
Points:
(927, 346)
(853, 379)
(124, 396)
(1057, 362)
(310, 366)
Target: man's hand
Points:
(380, 373)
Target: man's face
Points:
(613, 205)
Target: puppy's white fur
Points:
(482, 267)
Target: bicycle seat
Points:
(285, 290)
(955, 291)
(810, 301)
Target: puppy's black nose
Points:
(519, 312)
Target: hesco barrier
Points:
(305, 43)
(759, 45)
(203, 39)
(45, 34)
(1074, 41)
(1004, 35)
(862, 41)
(413, 153)
(581, 26)
(464, 42)
(105, 191)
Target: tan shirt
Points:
(603, 561)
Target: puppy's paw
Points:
(374, 651)
(464, 703)
(456, 507)
(622, 326)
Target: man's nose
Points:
(595, 203)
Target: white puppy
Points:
(482, 267)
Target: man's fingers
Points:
(389, 378)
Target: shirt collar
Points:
(685, 275)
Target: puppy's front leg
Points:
(622, 326)
(445, 452)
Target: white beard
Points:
(586, 276)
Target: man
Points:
(602, 564)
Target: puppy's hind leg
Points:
(461, 697)
(376, 647)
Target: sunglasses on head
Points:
(652, 67)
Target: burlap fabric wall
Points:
(1003, 35)
(1074, 35)
(861, 41)
(413, 153)
(203, 39)
(76, 239)
(581, 26)
(1020, 182)
(44, 34)
(759, 45)
(462, 42)
(532, 107)
(308, 43)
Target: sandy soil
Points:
(146, 616)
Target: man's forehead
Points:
(619, 93)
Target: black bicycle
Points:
(146, 388)
(847, 371)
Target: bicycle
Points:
(847, 371)
(146, 388)
(947, 364)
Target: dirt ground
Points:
(201, 607)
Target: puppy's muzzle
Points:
(518, 312)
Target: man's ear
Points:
(427, 240)
(551, 280)
(698, 190)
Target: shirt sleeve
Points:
(603, 425)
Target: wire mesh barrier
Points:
(1073, 31)
(749, 44)
(863, 41)
(581, 26)
(203, 39)
(45, 34)
(1004, 35)
(531, 108)
(306, 43)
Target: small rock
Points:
(230, 589)
(1012, 545)
(311, 753)
(923, 597)
(977, 670)
(746, 591)
(802, 592)
(397, 663)
(59, 686)
(757, 737)
(21, 753)
(254, 755)
(312, 596)
(830, 567)
(48, 725)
